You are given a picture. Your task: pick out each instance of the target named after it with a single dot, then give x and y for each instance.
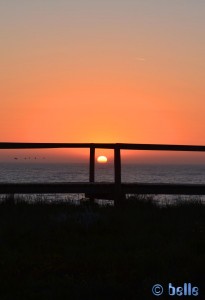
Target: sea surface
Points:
(78, 172)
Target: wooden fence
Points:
(115, 190)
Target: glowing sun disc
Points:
(102, 159)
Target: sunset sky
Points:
(102, 71)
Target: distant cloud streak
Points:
(140, 58)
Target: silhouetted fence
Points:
(115, 190)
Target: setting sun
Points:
(102, 159)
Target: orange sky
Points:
(110, 71)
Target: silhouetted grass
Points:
(63, 251)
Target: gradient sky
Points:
(102, 71)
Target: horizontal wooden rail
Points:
(121, 146)
(102, 189)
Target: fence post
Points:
(92, 164)
(117, 166)
(92, 169)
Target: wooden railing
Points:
(115, 190)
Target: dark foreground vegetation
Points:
(62, 251)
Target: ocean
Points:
(79, 172)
